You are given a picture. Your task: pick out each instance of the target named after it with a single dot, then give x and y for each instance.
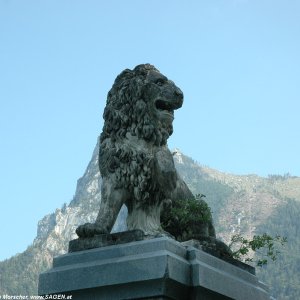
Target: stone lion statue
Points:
(136, 165)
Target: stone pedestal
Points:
(158, 268)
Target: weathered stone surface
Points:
(135, 163)
(103, 240)
(156, 268)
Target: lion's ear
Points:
(126, 74)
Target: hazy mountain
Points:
(240, 204)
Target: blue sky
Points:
(236, 61)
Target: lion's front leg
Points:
(145, 219)
(111, 203)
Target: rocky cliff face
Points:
(57, 229)
(240, 204)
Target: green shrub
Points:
(187, 219)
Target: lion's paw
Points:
(89, 230)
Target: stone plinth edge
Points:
(104, 240)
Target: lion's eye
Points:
(160, 82)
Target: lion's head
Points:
(141, 102)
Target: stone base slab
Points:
(104, 240)
(158, 268)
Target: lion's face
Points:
(162, 97)
(141, 103)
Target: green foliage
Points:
(265, 247)
(186, 217)
(185, 220)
